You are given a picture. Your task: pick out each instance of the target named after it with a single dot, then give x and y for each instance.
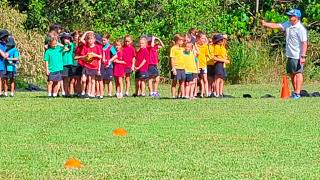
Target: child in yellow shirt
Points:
(191, 68)
(221, 59)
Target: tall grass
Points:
(29, 43)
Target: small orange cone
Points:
(120, 132)
(285, 91)
(73, 164)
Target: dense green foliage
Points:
(167, 139)
(164, 18)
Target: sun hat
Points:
(216, 38)
(294, 12)
(3, 33)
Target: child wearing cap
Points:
(129, 56)
(54, 66)
(91, 55)
(118, 68)
(203, 56)
(68, 64)
(11, 66)
(108, 51)
(221, 59)
(4, 34)
(141, 68)
(178, 66)
(191, 68)
(154, 76)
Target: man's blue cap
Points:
(294, 12)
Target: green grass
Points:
(167, 139)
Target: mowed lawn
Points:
(167, 139)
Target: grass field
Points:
(167, 139)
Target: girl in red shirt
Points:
(118, 68)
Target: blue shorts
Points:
(89, 72)
(153, 71)
(55, 76)
(68, 71)
(210, 70)
(127, 70)
(191, 77)
(2, 73)
(219, 70)
(181, 75)
(142, 75)
(10, 75)
(106, 73)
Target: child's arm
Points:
(83, 37)
(13, 59)
(119, 61)
(96, 55)
(3, 54)
(46, 67)
(133, 63)
(161, 43)
(221, 60)
(142, 63)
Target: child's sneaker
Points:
(296, 96)
(156, 94)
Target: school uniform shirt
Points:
(210, 62)
(154, 56)
(3, 48)
(143, 54)
(68, 56)
(11, 65)
(203, 53)
(119, 69)
(220, 52)
(93, 63)
(190, 62)
(108, 52)
(129, 52)
(176, 52)
(54, 58)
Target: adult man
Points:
(296, 47)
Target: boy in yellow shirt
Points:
(191, 68)
(203, 56)
(178, 66)
(221, 59)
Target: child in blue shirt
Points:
(11, 66)
(4, 34)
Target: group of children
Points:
(198, 61)
(82, 64)
(9, 60)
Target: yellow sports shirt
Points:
(190, 62)
(177, 53)
(203, 53)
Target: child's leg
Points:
(121, 86)
(49, 88)
(187, 89)
(56, 87)
(192, 89)
(205, 81)
(117, 85)
(109, 87)
(66, 86)
(128, 84)
(221, 86)
(210, 84)
(5, 84)
(182, 88)
(89, 86)
(217, 85)
(12, 86)
(143, 87)
(202, 86)
(150, 86)
(93, 86)
(71, 86)
(137, 87)
(101, 87)
(156, 84)
(174, 88)
(195, 90)
(61, 87)
(83, 84)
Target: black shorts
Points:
(55, 76)
(106, 73)
(2, 73)
(210, 69)
(89, 72)
(68, 71)
(127, 70)
(191, 77)
(141, 75)
(77, 71)
(153, 71)
(181, 75)
(9, 75)
(219, 70)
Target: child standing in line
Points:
(191, 68)
(203, 57)
(220, 58)
(210, 67)
(129, 54)
(141, 68)
(91, 55)
(77, 69)
(68, 64)
(178, 66)
(107, 66)
(118, 68)
(11, 66)
(4, 34)
(54, 66)
(154, 76)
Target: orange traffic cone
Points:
(285, 91)
(73, 164)
(120, 132)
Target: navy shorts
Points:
(55, 76)
(68, 71)
(153, 71)
(77, 71)
(89, 72)
(106, 73)
(181, 75)
(127, 70)
(2, 73)
(10, 75)
(210, 70)
(219, 70)
(191, 77)
(142, 75)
